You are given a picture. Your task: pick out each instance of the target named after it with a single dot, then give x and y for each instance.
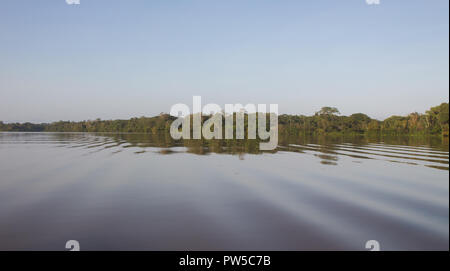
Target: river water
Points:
(140, 192)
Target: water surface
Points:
(142, 192)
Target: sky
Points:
(117, 59)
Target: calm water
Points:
(137, 192)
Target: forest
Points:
(328, 120)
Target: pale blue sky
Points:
(125, 58)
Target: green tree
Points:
(327, 110)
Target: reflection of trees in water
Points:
(327, 159)
(202, 147)
(438, 142)
(237, 147)
(428, 151)
(325, 143)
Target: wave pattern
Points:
(431, 156)
(139, 192)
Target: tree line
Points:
(328, 120)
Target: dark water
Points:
(139, 192)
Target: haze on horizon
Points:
(122, 59)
